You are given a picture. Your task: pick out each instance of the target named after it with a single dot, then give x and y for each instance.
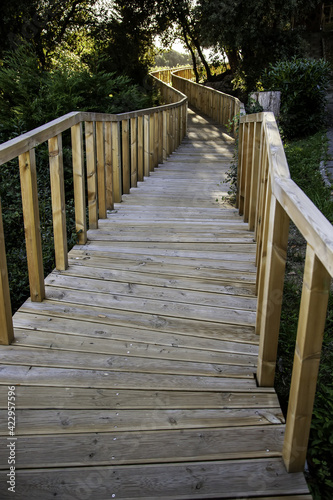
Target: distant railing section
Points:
(268, 199)
(110, 154)
(165, 75)
(222, 108)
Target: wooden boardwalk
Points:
(135, 378)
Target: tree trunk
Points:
(188, 45)
(202, 57)
(233, 60)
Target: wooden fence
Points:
(268, 199)
(222, 108)
(110, 154)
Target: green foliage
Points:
(171, 59)
(253, 106)
(303, 84)
(30, 96)
(253, 33)
(304, 156)
(45, 25)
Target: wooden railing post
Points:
(156, 137)
(151, 142)
(165, 134)
(116, 163)
(108, 165)
(261, 203)
(125, 157)
(6, 322)
(255, 173)
(134, 152)
(91, 175)
(311, 324)
(249, 166)
(79, 184)
(140, 148)
(101, 181)
(270, 292)
(160, 137)
(28, 175)
(58, 202)
(241, 167)
(146, 146)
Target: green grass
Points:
(304, 157)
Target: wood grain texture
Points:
(7, 332)
(30, 208)
(58, 202)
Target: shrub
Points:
(303, 84)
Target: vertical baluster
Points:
(156, 136)
(248, 173)
(134, 152)
(101, 182)
(125, 157)
(169, 126)
(243, 166)
(186, 118)
(151, 143)
(140, 148)
(239, 161)
(6, 322)
(91, 174)
(173, 129)
(146, 145)
(28, 176)
(108, 165)
(181, 121)
(254, 176)
(116, 162)
(160, 137)
(270, 291)
(311, 323)
(261, 205)
(79, 183)
(262, 159)
(165, 134)
(58, 202)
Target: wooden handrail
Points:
(268, 199)
(223, 108)
(120, 149)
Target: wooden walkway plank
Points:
(111, 399)
(218, 479)
(33, 422)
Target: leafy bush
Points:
(303, 84)
(253, 106)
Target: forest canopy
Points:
(118, 36)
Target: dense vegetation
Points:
(303, 84)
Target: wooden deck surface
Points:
(135, 378)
